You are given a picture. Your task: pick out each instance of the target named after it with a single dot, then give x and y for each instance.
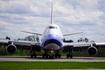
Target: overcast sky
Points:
(87, 16)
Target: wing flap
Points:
(78, 44)
(84, 44)
(26, 43)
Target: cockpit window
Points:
(52, 27)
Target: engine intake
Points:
(92, 51)
(11, 49)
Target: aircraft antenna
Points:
(52, 12)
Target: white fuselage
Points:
(52, 38)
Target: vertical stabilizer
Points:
(52, 13)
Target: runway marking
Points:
(75, 59)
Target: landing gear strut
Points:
(45, 55)
(33, 54)
(52, 54)
(57, 55)
(70, 54)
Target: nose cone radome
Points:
(52, 46)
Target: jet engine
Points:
(11, 48)
(92, 50)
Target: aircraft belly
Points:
(52, 46)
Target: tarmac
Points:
(64, 59)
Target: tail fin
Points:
(52, 13)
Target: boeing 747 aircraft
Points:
(51, 42)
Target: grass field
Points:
(51, 65)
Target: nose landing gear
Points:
(52, 54)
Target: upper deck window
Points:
(52, 27)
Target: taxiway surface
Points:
(75, 59)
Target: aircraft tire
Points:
(55, 55)
(71, 56)
(59, 55)
(45, 56)
(34, 55)
(67, 55)
(52, 57)
(31, 55)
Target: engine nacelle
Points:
(92, 50)
(11, 48)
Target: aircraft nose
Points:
(53, 39)
(52, 46)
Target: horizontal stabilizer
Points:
(32, 33)
(72, 34)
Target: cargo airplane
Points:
(52, 43)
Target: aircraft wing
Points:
(4, 41)
(12, 46)
(84, 44)
(24, 43)
(18, 42)
(78, 44)
(100, 43)
(91, 47)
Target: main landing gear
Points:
(57, 55)
(45, 55)
(52, 54)
(70, 54)
(33, 54)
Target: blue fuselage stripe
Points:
(52, 39)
